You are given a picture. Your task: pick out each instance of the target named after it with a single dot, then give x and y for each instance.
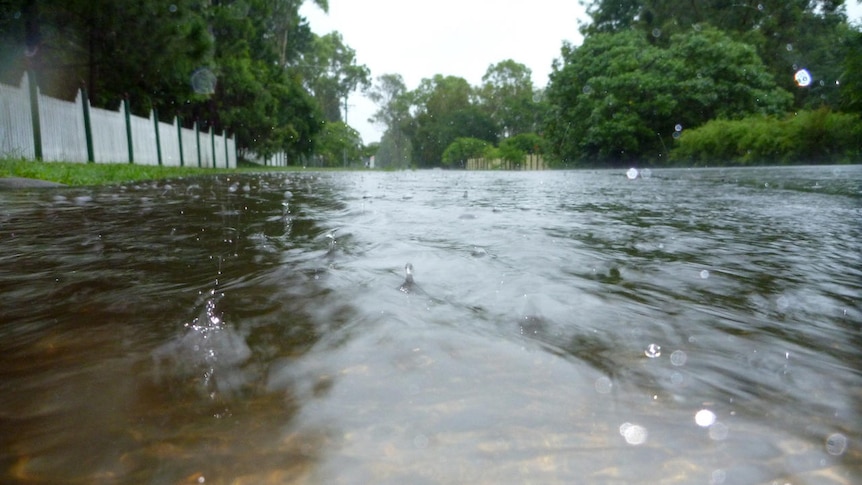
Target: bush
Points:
(820, 136)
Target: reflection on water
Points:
(693, 326)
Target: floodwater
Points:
(684, 326)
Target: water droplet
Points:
(704, 274)
(678, 358)
(646, 173)
(652, 351)
(420, 441)
(632, 173)
(802, 78)
(782, 303)
(677, 379)
(656, 33)
(704, 418)
(604, 385)
(587, 89)
(678, 127)
(634, 434)
(836, 444)
(203, 81)
(718, 431)
(718, 477)
(172, 8)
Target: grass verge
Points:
(110, 173)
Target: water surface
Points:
(687, 326)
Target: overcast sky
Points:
(450, 37)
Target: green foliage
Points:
(338, 145)
(508, 97)
(463, 149)
(331, 73)
(444, 112)
(156, 53)
(851, 77)
(788, 35)
(618, 97)
(820, 136)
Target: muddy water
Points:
(691, 326)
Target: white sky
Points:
(451, 37)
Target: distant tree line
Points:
(654, 82)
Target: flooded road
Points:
(684, 326)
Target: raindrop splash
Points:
(652, 351)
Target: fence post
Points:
(34, 114)
(226, 157)
(179, 121)
(155, 114)
(212, 144)
(129, 129)
(88, 127)
(198, 138)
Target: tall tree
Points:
(445, 110)
(332, 73)
(393, 101)
(146, 50)
(507, 96)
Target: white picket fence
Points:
(62, 134)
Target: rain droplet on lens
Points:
(656, 32)
(678, 358)
(704, 274)
(836, 444)
(203, 81)
(678, 127)
(789, 47)
(718, 431)
(802, 78)
(704, 418)
(632, 173)
(652, 351)
(634, 434)
(604, 385)
(587, 89)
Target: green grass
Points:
(111, 173)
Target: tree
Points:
(338, 144)
(507, 96)
(331, 73)
(617, 98)
(393, 101)
(851, 77)
(444, 112)
(788, 35)
(146, 50)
